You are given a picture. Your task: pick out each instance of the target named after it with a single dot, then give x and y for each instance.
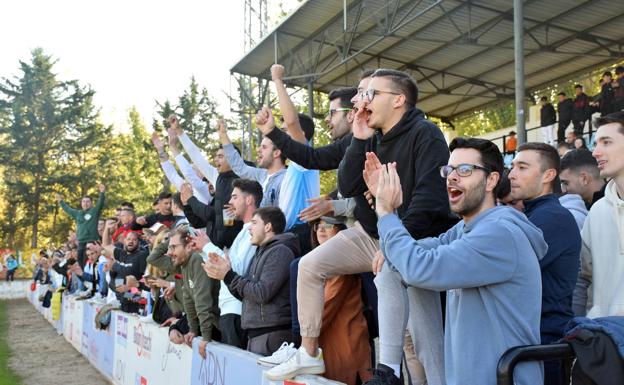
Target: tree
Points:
(47, 123)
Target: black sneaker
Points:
(384, 375)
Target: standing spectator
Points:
(548, 118)
(511, 143)
(11, 265)
(264, 288)
(565, 107)
(602, 256)
(534, 177)
(246, 198)
(581, 112)
(86, 221)
(200, 293)
(580, 175)
(606, 99)
(487, 263)
(618, 89)
(388, 122)
(221, 177)
(163, 213)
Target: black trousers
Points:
(231, 331)
(563, 124)
(82, 254)
(579, 125)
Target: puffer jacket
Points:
(264, 289)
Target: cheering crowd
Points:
(436, 249)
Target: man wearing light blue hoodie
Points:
(487, 263)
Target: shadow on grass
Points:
(7, 377)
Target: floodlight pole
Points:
(519, 68)
(311, 98)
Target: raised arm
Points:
(291, 118)
(200, 188)
(100, 202)
(169, 169)
(209, 171)
(236, 160)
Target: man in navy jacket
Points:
(533, 178)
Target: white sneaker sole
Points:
(266, 364)
(298, 372)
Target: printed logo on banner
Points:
(143, 341)
(171, 350)
(212, 371)
(140, 380)
(121, 328)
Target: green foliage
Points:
(7, 377)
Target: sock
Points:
(396, 368)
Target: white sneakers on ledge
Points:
(280, 356)
(297, 364)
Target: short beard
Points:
(473, 200)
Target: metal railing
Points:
(513, 356)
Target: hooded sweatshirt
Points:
(490, 270)
(86, 220)
(419, 148)
(576, 205)
(602, 258)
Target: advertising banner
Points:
(97, 345)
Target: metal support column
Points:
(311, 98)
(519, 69)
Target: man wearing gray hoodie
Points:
(487, 263)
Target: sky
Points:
(131, 52)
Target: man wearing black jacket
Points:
(582, 111)
(548, 118)
(388, 124)
(564, 107)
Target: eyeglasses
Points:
(370, 94)
(323, 226)
(464, 169)
(334, 110)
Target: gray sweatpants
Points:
(397, 303)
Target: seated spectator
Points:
(264, 288)
(580, 175)
(201, 293)
(602, 255)
(488, 263)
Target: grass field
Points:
(6, 376)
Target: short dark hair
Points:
(403, 83)
(562, 94)
(565, 144)
(345, 94)
(127, 204)
(491, 156)
(619, 70)
(129, 210)
(543, 99)
(274, 216)
(164, 195)
(250, 187)
(175, 198)
(578, 86)
(233, 145)
(580, 159)
(307, 125)
(548, 155)
(616, 117)
(87, 196)
(607, 73)
(367, 73)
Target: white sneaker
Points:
(299, 363)
(279, 356)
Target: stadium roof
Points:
(459, 51)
